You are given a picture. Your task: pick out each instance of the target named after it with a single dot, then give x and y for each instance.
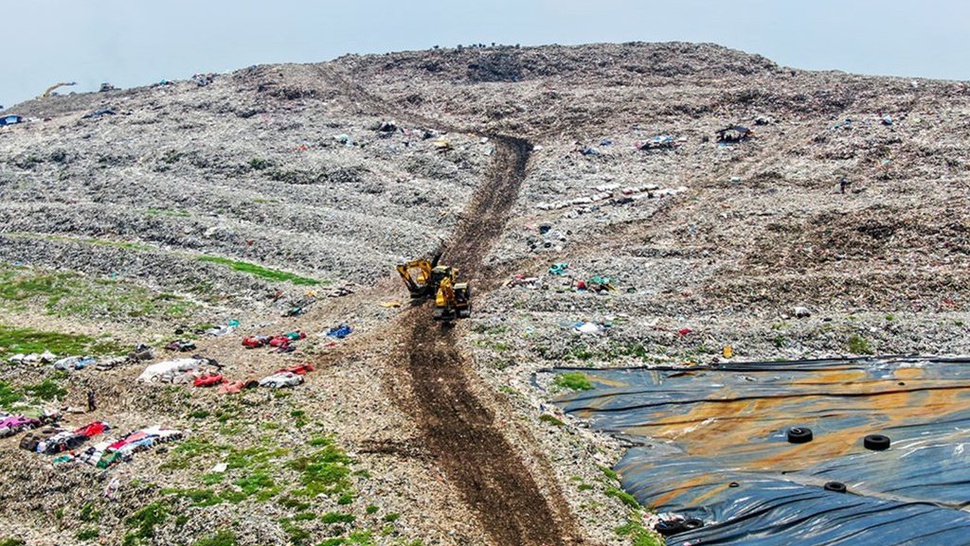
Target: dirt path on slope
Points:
(458, 427)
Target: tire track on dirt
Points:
(459, 429)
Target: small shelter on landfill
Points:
(734, 133)
(10, 120)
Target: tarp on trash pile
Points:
(715, 447)
(10, 120)
(155, 372)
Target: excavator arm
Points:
(416, 274)
(51, 89)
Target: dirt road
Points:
(459, 429)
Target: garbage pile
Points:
(107, 453)
(281, 343)
(179, 371)
(614, 194)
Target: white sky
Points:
(137, 42)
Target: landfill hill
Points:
(281, 197)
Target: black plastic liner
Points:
(717, 447)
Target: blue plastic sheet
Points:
(340, 332)
(714, 446)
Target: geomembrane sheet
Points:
(715, 447)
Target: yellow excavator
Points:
(49, 90)
(426, 280)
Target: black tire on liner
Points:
(799, 435)
(693, 523)
(876, 442)
(837, 487)
(668, 528)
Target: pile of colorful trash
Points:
(180, 345)
(66, 443)
(179, 371)
(196, 371)
(596, 283)
(107, 453)
(282, 343)
(14, 424)
(287, 377)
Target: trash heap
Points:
(281, 343)
(107, 453)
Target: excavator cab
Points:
(453, 300)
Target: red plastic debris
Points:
(92, 429)
(684, 331)
(209, 380)
(301, 369)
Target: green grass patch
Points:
(28, 340)
(144, 522)
(363, 537)
(624, 497)
(89, 513)
(576, 381)
(552, 419)
(609, 473)
(46, 390)
(173, 213)
(298, 536)
(325, 471)
(261, 272)
(259, 484)
(858, 345)
(184, 454)
(234, 497)
(371, 509)
(257, 457)
(294, 503)
(583, 353)
(221, 538)
(69, 294)
(9, 395)
(12, 542)
(337, 517)
(213, 478)
(640, 535)
(259, 164)
(199, 497)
